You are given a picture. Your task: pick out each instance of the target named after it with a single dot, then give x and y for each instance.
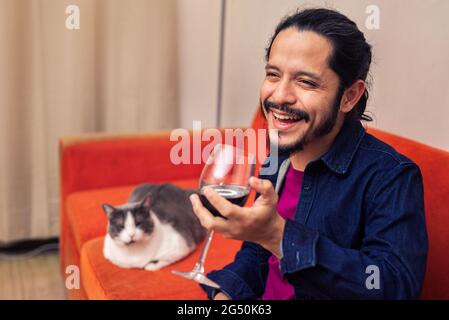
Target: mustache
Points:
(285, 108)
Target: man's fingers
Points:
(206, 218)
(222, 205)
(265, 188)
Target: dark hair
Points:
(351, 54)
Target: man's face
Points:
(299, 92)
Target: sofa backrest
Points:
(434, 165)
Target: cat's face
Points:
(129, 223)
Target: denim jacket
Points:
(358, 233)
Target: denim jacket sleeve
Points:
(243, 279)
(394, 247)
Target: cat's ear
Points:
(146, 202)
(108, 209)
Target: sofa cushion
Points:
(103, 280)
(86, 217)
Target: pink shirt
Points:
(277, 288)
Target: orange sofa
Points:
(104, 168)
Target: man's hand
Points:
(260, 223)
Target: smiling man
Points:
(343, 217)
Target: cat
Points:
(155, 228)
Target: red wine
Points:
(235, 194)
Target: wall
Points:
(198, 34)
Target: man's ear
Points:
(352, 95)
(146, 202)
(108, 209)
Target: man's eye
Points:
(308, 83)
(271, 75)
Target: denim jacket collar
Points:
(339, 157)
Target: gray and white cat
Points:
(154, 229)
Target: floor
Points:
(31, 277)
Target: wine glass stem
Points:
(199, 267)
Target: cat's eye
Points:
(119, 221)
(138, 219)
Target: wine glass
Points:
(227, 171)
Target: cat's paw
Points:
(155, 265)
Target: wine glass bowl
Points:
(226, 171)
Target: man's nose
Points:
(284, 93)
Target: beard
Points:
(321, 129)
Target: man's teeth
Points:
(285, 117)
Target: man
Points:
(343, 218)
